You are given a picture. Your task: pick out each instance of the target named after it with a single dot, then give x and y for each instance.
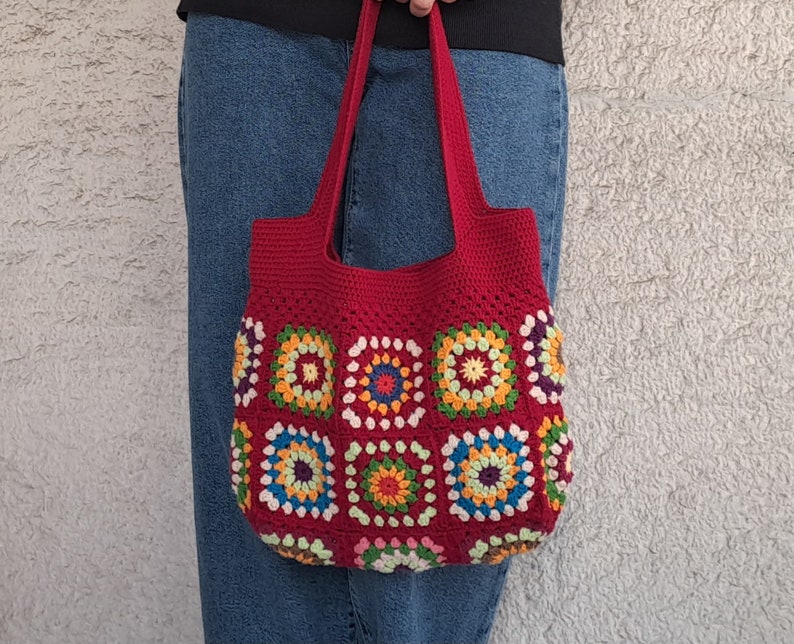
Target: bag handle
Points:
(466, 197)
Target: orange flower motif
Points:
(390, 485)
(497, 548)
(543, 347)
(313, 553)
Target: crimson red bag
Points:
(409, 418)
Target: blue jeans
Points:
(256, 113)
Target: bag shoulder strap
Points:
(466, 197)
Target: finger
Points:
(421, 8)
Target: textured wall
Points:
(675, 294)
(96, 535)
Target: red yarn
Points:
(388, 334)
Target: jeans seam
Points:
(346, 243)
(487, 628)
(351, 196)
(553, 241)
(181, 108)
(359, 623)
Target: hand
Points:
(421, 8)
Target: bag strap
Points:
(464, 189)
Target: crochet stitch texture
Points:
(404, 419)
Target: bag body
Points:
(401, 419)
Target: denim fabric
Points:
(256, 113)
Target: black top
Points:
(531, 27)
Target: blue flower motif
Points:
(385, 384)
(383, 387)
(489, 473)
(297, 472)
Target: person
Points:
(259, 90)
(421, 8)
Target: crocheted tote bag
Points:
(400, 419)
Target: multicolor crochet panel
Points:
(398, 453)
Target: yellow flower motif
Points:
(303, 371)
(474, 369)
(310, 373)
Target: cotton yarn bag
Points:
(400, 419)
